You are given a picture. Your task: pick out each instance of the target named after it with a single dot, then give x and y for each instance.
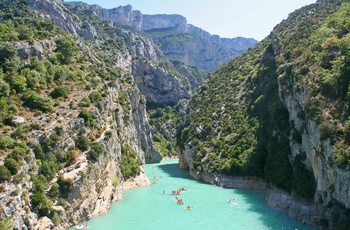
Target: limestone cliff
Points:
(176, 38)
(91, 188)
(66, 182)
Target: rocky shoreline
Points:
(139, 180)
(297, 208)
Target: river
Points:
(147, 208)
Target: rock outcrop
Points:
(297, 208)
(55, 11)
(195, 47)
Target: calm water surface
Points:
(149, 209)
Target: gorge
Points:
(88, 95)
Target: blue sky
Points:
(226, 18)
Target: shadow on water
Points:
(259, 206)
(173, 170)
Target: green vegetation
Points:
(130, 162)
(95, 151)
(165, 121)
(60, 91)
(83, 143)
(6, 224)
(67, 48)
(44, 89)
(5, 174)
(246, 129)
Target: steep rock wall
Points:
(332, 183)
(56, 12)
(202, 49)
(93, 185)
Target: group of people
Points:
(176, 192)
(179, 200)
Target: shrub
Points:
(95, 96)
(12, 165)
(5, 174)
(33, 101)
(48, 169)
(85, 115)
(83, 143)
(84, 102)
(17, 153)
(38, 152)
(54, 190)
(43, 203)
(65, 185)
(67, 48)
(326, 130)
(37, 197)
(116, 181)
(56, 219)
(72, 156)
(40, 183)
(6, 142)
(60, 91)
(4, 88)
(130, 162)
(61, 156)
(95, 151)
(6, 224)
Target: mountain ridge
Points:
(220, 50)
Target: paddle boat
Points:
(182, 189)
(188, 207)
(176, 192)
(82, 226)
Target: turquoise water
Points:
(147, 208)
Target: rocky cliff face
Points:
(160, 84)
(332, 182)
(199, 48)
(92, 187)
(56, 12)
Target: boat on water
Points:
(176, 192)
(82, 226)
(180, 201)
(188, 207)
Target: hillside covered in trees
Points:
(281, 111)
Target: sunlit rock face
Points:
(191, 45)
